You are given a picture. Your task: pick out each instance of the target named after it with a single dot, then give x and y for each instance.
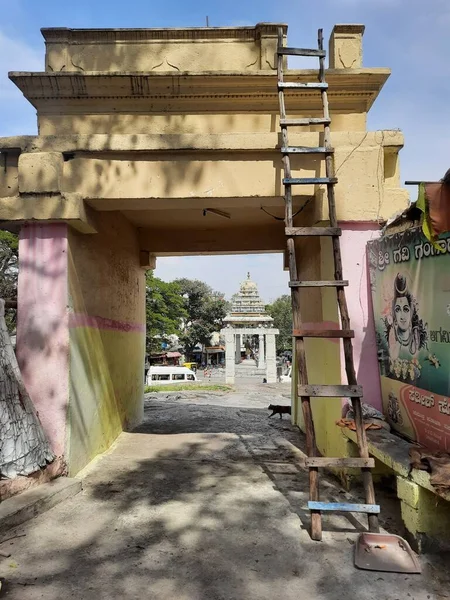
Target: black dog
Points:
(279, 410)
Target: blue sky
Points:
(409, 36)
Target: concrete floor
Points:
(200, 503)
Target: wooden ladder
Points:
(306, 391)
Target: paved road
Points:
(200, 503)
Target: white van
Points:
(170, 375)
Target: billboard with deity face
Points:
(410, 282)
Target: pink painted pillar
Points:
(354, 262)
(42, 328)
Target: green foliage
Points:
(281, 311)
(165, 311)
(9, 270)
(187, 308)
(205, 309)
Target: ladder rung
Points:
(330, 391)
(327, 461)
(309, 284)
(308, 180)
(344, 507)
(324, 333)
(306, 150)
(301, 52)
(292, 85)
(311, 231)
(303, 122)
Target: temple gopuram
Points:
(248, 326)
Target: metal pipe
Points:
(419, 182)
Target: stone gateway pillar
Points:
(88, 214)
(74, 322)
(261, 356)
(238, 349)
(271, 358)
(229, 356)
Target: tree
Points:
(165, 309)
(24, 446)
(9, 270)
(281, 311)
(205, 310)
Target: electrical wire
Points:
(294, 215)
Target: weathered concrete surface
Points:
(106, 324)
(198, 504)
(15, 511)
(148, 50)
(40, 172)
(18, 485)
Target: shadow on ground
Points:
(200, 503)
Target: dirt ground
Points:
(201, 503)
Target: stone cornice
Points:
(343, 28)
(250, 330)
(365, 84)
(65, 35)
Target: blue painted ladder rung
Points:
(292, 85)
(373, 509)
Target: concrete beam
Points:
(154, 142)
(199, 174)
(147, 260)
(274, 204)
(174, 242)
(65, 207)
(250, 331)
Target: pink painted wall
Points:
(42, 328)
(354, 261)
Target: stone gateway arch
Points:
(141, 131)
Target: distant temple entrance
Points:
(249, 335)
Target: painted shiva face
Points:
(402, 314)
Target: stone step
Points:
(18, 509)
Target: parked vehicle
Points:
(193, 366)
(170, 375)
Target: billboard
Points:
(410, 283)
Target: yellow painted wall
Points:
(330, 409)
(314, 262)
(241, 165)
(167, 124)
(105, 391)
(153, 50)
(107, 338)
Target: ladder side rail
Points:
(300, 354)
(342, 302)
